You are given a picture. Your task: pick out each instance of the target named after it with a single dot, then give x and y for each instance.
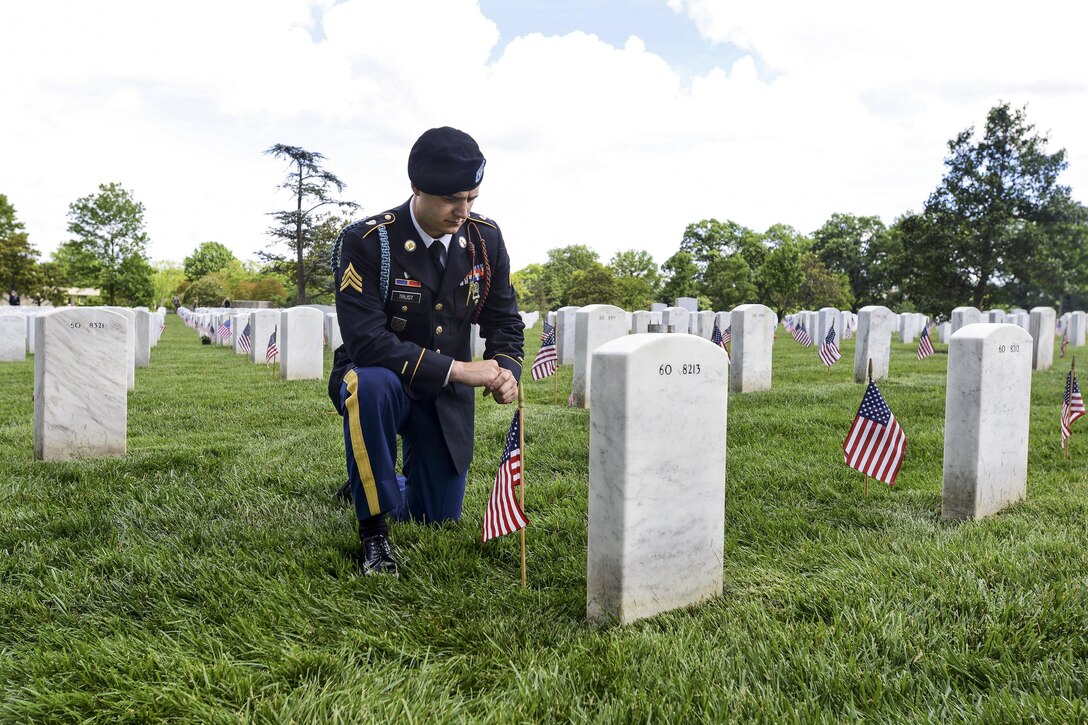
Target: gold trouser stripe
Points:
(358, 445)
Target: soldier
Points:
(410, 283)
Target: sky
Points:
(605, 123)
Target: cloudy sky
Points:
(610, 123)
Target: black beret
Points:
(445, 161)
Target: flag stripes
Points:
(503, 514)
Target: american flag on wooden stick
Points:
(1065, 344)
(545, 362)
(273, 351)
(720, 339)
(925, 343)
(848, 333)
(875, 444)
(1072, 406)
(243, 340)
(829, 350)
(503, 514)
(224, 331)
(802, 336)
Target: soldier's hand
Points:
(488, 375)
(505, 388)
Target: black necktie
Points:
(436, 256)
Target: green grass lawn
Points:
(208, 576)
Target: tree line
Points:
(998, 231)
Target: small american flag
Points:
(503, 515)
(544, 365)
(720, 340)
(829, 350)
(802, 336)
(224, 331)
(848, 333)
(162, 325)
(925, 344)
(243, 340)
(875, 444)
(1065, 344)
(1072, 406)
(273, 351)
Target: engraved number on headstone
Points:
(665, 370)
(690, 369)
(97, 325)
(75, 325)
(1012, 348)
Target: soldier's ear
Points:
(415, 190)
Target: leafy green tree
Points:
(594, 285)
(208, 291)
(135, 281)
(847, 244)
(638, 279)
(780, 276)
(17, 257)
(207, 258)
(820, 287)
(682, 277)
(49, 285)
(558, 273)
(300, 228)
(986, 231)
(528, 283)
(77, 265)
(166, 278)
(110, 226)
(709, 239)
(728, 282)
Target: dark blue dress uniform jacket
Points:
(422, 324)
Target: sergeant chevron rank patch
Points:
(351, 279)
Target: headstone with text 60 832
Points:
(80, 384)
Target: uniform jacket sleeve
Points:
(500, 324)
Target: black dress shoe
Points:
(378, 556)
(344, 492)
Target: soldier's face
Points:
(440, 215)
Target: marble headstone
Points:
(142, 344)
(656, 512)
(130, 342)
(676, 318)
(825, 317)
(658, 307)
(752, 344)
(80, 384)
(704, 323)
(1077, 322)
(964, 316)
(332, 331)
(1041, 329)
(874, 342)
(596, 325)
(302, 354)
(237, 326)
(564, 335)
(688, 303)
(986, 414)
(640, 321)
(12, 338)
(261, 325)
(477, 342)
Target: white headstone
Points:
(12, 338)
(237, 326)
(995, 316)
(529, 319)
(943, 331)
(1077, 322)
(722, 319)
(80, 384)
(874, 342)
(595, 325)
(564, 335)
(302, 355)
(688, 303)
(640, 321)
(261, 324)
(130, 342)
(964, 316)
(825, 317)
(658, 307)
(986, 414)
(752, 343)
(1041, 329)
(656, 512)
(30, 329)
(704, 323)
(142, 344)
(676, 318)
(477, 343)
(332, 331)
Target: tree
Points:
(207, 258)
(77, 265)
(710, 238)
(559, 271)
(528, 283)
(50, 284)
(135, 281)
(208, 291)
(109, 226)
(311, 187)
(820, 287)
(17, 257)
(638, 279)
(780, 276)
(728, 282)
(847, 244)
(166, 278)
(682, 277)
(985, 233)
(594, 285)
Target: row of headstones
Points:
(18, 331)
(657, 513)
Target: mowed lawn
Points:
(209, 575)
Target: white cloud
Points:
(842, 106)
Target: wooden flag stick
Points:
(866, 487)
(521, 488)
(555, 383)
(870, 370)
